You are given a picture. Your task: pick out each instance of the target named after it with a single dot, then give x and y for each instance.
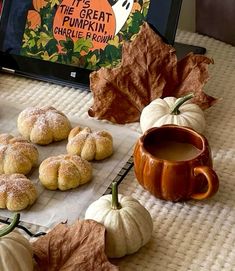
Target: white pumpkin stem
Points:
(115, 204)
(10, 227)
(175, 110)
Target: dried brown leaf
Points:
(193, 74)
(149, 70)
(80, 246)
(121, 93)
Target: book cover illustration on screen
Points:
(63, 41)
(82, 33)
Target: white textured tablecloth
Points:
(191, 236)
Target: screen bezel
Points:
(165, 24)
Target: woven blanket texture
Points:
(189, 236)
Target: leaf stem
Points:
(115, 204)
(10, 228)
(175, 110)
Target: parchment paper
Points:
(53, 207)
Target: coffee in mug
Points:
(174, 163)
(173, 151)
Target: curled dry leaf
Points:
(149, 70)
(192, 73)
(80, 246)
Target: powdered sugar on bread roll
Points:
(16, 192)
(17, 155)
(90, 145)
(64, 172)
(43, 125)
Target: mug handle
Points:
(212, 180)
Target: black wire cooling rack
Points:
(22, 227)
(120, 176)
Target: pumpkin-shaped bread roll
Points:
(90, 145)
(64, 172)
(16, 192)
(17, 155)
(43, 125)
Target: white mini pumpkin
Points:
(128, 224)
(15, 250)
(171, 110)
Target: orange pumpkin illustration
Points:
(92, 20)
(38, 4)
(34, 19)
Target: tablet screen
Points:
(83, 33)
(63, 41)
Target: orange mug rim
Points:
(178, 127)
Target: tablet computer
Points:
(63, 41)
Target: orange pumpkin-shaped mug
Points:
(174, 163)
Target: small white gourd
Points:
(15, 250)
(128, 224)
(171, 110)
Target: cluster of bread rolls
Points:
(18, 155)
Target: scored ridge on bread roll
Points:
(96, 145)
(17, 155)
(16, 192)
(43, 125)
(64, 172)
